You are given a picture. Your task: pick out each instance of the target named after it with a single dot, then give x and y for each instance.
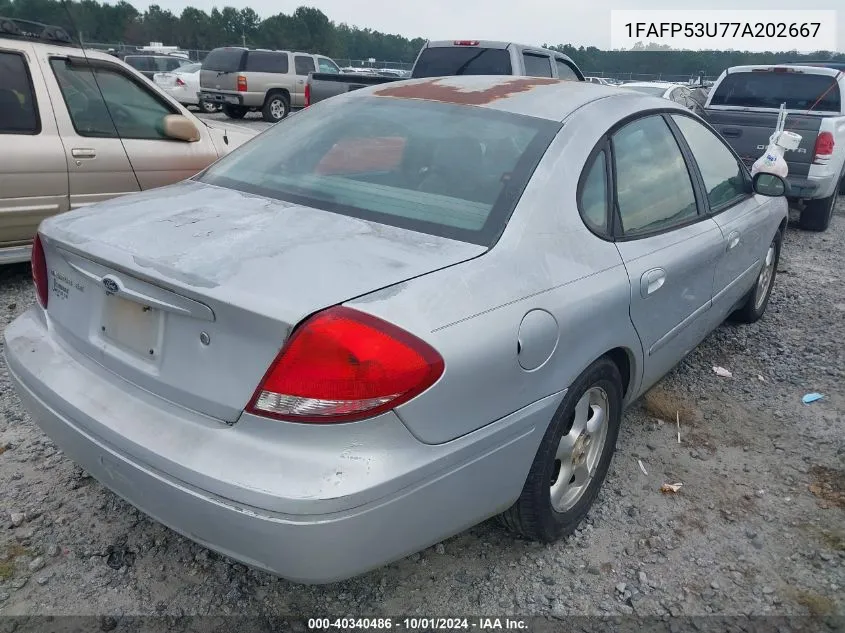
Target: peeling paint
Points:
(437, 90)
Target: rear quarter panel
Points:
(471, 313)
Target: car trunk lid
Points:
(189, 291)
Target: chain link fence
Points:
(198, 55)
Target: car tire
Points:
(276, 107)
(757, 298)
(817, 214)
(234, 111)
(842, 186)
(208, 108)
(550, 507)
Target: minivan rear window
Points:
(442, 169)
(223, 60)
(445, 61)
(769, 89)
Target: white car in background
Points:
(598, 80)
(681, 94)
(183, 84)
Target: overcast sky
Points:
(579, 22)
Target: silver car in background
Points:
(415, 307)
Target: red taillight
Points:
(824, 145)
(179, 82)
(466, 42)
(241, 83)
(342, 365)
(39, 271)
(307, 95)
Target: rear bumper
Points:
(15, 254)
(246, 99)
(309, 504)
(815, 185)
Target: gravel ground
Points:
(757, 527)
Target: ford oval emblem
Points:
(111, 284)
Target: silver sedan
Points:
(392, 316)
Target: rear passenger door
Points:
(303, 64)
(33, 172)
(266, 70)
(746, 226)
(669, 245)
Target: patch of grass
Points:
(2, 449)
(665, 405)
(834, 540)
(816, 604)
(14, 550)
(7, 570)
(829, 485)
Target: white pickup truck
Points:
(743, 107)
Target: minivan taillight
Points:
(824, 146)
(39, 271)
(241, 83)
(342, 365)
(307, 94)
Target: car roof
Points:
(652, 84)
(540, 97)
(797, 68)
(493, 44)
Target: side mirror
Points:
(769, 185)
(180, 128)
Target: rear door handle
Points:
(732, 132)
(83, 152)
(734, 240)
(652, 281)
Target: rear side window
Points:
(442, 169)
(768, 89)
(593, 196)
(564, 71)
(223, 60)
(263, 62)
(17, 101)
(537, 65)
(446, 61)
(140, 63)
(303, 64)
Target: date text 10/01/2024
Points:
(419, 624)
(723, 29)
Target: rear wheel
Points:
(234, 111)
(276, 107)
(817, 213)
(758, 297)
(208, 107)
(573, 458)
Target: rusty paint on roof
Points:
(434, 90)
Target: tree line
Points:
(309, 29)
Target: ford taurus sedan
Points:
(403, 311)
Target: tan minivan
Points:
(62, 147)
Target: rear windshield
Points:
(443, 169)
(446, 61)
(768, 89)
(226, 60)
